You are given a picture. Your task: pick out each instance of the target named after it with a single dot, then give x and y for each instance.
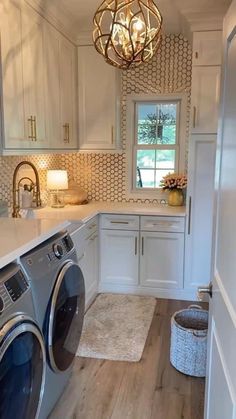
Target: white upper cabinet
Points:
(68, 94)
(34, 77)
(98, 101)
(12, 75)
(207, 48)
(205, 99)
(62, 89)
(39, 71)
(206, 81)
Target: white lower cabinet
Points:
(119, 257)
(86, 243)
(143, 262)
(162, 260)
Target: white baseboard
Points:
(172, 294)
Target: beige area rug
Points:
(116, 327)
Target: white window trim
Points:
(132, 193)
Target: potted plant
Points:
(174, 183)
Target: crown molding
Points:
(85, 38)
(61, 21)
(207, 21)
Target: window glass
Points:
(156, 123)
(156, 142)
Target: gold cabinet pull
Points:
(66, 127)
(196, 55)
(31, 131)
(194, 116)
(34, 122)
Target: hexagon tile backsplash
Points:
(103, 175)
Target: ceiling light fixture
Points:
(127, 32)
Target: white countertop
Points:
(84, 212)
(18, 236)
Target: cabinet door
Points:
(34, 78)
(12, 75)
(205, 95)
(205, 99)
(88, 263)
(207, 48)
(119, 257)
(52, 62)
(68, 95)
(97, 100)
(162, 260)
(200, 200)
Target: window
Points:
(157, 132)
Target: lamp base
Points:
(57, 199)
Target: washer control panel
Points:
(16, 286)
(12, 287)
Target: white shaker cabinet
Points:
(142, 254)
(98, 101)
(205, 99)
(34, 65)
(119, 257)
(68, 95)
(15, 126)
(162, 260)
(39, 82)
(200, 201)
(207, 48)
(61, 88)
(86, 243)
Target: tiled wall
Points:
(8, 164)
(104, 175)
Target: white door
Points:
(221, 381)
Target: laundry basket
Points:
(188, 350)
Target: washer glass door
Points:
(66, 316)
(22, 372)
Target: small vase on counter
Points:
(175, 183)
(176, 197)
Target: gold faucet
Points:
(16, 188)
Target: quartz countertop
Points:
(18, 236)
(85, 212)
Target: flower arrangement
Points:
(174, 181)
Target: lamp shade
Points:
(57, 179)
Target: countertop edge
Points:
(29, 245)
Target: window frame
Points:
(131, 137)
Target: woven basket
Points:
(188, 350)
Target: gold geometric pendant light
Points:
(127, 32)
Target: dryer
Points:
(22, 350)
(59, 297)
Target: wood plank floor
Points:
(149, 389)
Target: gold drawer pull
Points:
(119, 222)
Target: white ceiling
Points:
(78, 14)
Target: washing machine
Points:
(59, 297)
(22, 349)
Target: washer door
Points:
(22, 369)
(66, 317)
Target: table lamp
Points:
(57, 182)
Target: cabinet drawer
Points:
(91, 226)
(167, 224)
(120, 222)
